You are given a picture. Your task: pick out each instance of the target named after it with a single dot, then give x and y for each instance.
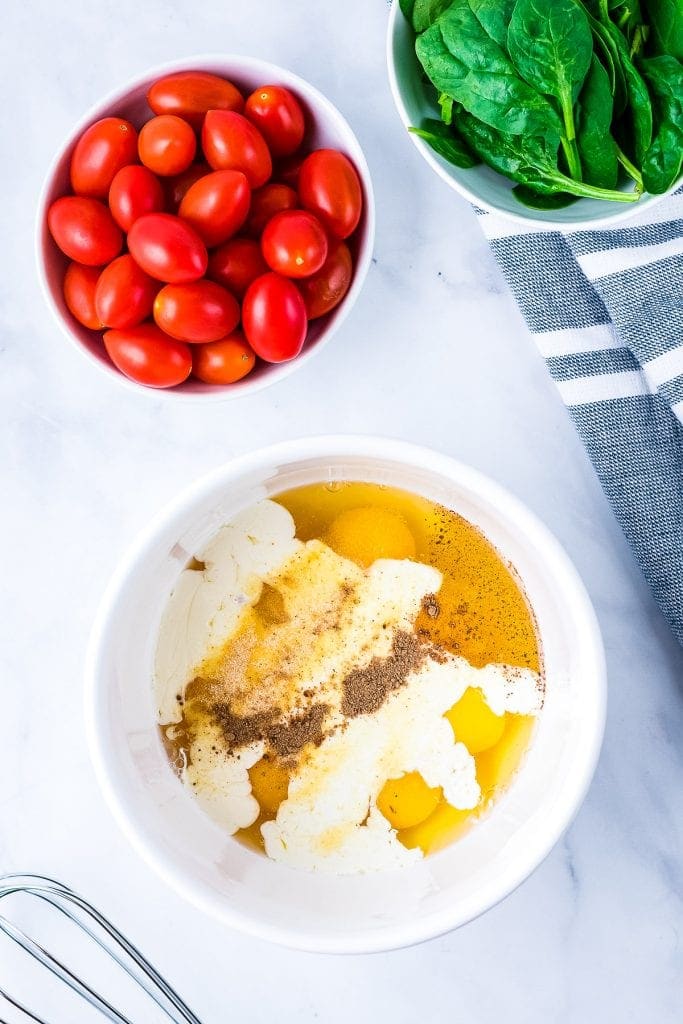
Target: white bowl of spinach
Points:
(554, 111)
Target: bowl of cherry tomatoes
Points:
(206, 228)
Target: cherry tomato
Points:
(266, 202)
(274, 318)
(196, 312)
(236, 264)
(125, 293)
(287, 170)
(294, 243)
(189, 94)
(277, 114)
(167, 145)
(134, 192)
(84, 230)
(217, 205)
(102, 150)
(176, 187)
(325, 289)
(79, 294)
(224, 361)
(167, 248)
(146, 355)
(330, 187)
(230, 142)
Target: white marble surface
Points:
(435, 351)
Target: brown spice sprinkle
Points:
(431, 606)
(285, 738)
(365, 689)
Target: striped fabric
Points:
(606, 310)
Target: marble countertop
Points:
(436, 352)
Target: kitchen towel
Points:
(605, 307)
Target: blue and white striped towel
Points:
(606, 310)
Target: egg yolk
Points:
(407, 801)
(444, 825)
(368, 533)
(474, 724)
(500, 762)
(269, 784)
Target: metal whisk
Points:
(103, 935)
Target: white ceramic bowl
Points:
(312, 911)
(326, 127)
(481, 185)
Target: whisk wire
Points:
(121, 951)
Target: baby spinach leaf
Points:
(528, 196)
(462, 61)
(407, 9)
(551, 45)
(494, 17)
(639, 109)
(425, 13)
(529, 160)
(597, 148)
(664, 159)
(666, 26)
(446, 143)
(606, 49)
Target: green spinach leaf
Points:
(664, 159)
(638, 129)
(446, 143)
(494, 17)
(551, 45)
(463, 62)
(666, 26)
(528, 196)
(597, 148)
(528, 159)
(407, 9)
(425, 12)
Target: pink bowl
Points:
(326, 128)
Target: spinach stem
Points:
(580, 188)
(569, 146)
(630, 168)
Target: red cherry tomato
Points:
(217, 205)
(294, 243)
(266, 202)
(236, 264)
(146, 355)
(167, 145)
(224, 361)
(277, 114)
(176, 187)
(287, 170)
(125, 293)
(79, 294)
(167, 248)
(329, 186)
(134, 192)
(189, 94)
(84, 230)
(230, 142)
(325, 289)
(196, 312)
(102, 150)
(274, 318)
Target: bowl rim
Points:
(628, 211)
(276, 371)
(104, 759)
